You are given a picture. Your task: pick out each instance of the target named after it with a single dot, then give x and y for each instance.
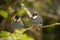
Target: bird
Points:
(35, 18)
(17, 23)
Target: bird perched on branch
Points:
(17, 22)
(35, 18)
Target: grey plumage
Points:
(37, 20)
(17, 25)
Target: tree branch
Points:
(45, 26)
(51, 25)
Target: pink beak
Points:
(30, 15)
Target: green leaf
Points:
(4, 34)
(4, 13)
(25, 37)
(20, 31)
(17, 35)
(21, 12)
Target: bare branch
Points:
(51, 25)
(29, 28)
(45, 26)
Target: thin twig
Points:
(51, 25)
(46, 26)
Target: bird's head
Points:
(16, 18)
(33, 15)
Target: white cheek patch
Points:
(34, 17)
(18, 19)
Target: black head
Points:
(17, 17)
(34, 14)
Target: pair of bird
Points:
(34, 18)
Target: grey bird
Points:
(17, 22)
(35, 18)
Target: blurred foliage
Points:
(4, 13)
(26, 22)
(17, 35)
(41, 6)
(48, 21)
(21, 12)
(28, 3)
(48, 29)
